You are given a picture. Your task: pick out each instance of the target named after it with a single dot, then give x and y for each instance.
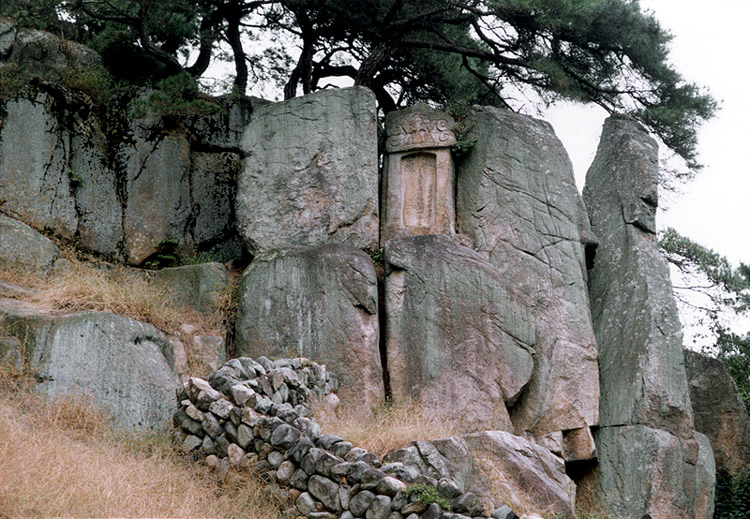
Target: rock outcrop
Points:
(124, 366)
(719, 411)
(310, 172)
(648, 455)
(455, 338)
(116, 183)
(518, 204)
(318, 302)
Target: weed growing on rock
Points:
(428, 494)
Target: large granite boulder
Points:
(508, 468)
(719, 411)
(310, 172)
(637, 327)
(22, 246)
(317, 302)
(53, 170)
(42, 54)
(518, 203)
(124, 366)
(457, 341)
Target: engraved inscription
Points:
(418, 131)
(419, 184)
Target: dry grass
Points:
(109, 288)
(389, 428)
(62, 459)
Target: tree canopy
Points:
(608, 52)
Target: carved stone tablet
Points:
(419, 177)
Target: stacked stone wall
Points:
(258, 414)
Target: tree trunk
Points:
(240, 61)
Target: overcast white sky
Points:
(710, 47)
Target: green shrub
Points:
(428, 494)
(92, 80)
(733, 496)
(176, 96)
(11, 82)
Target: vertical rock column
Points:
(418, 183)
(650, 463)
(517, 202)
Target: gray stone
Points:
(380, 508)
(23, 246)
(518, 204)
(433, 512)
(299, 480)
(461, 361)
(221, 408)
(211, 425)
(198, 286)
(705, 477)
(40, 54)
(719, 411)
(223, 130)
(326, 491)
(284, 436)
(191, 443)
(389, 486)
(504, 512)
(498, 464)
(244, 435)
(95, 188)
(213, 183)
(123, 365)
(275, 459)
(361, 502)
(325, 462)
(281, 297)
(310, 172)
(643, 472)
(305, 504)
(285, 472)
(635, 318)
